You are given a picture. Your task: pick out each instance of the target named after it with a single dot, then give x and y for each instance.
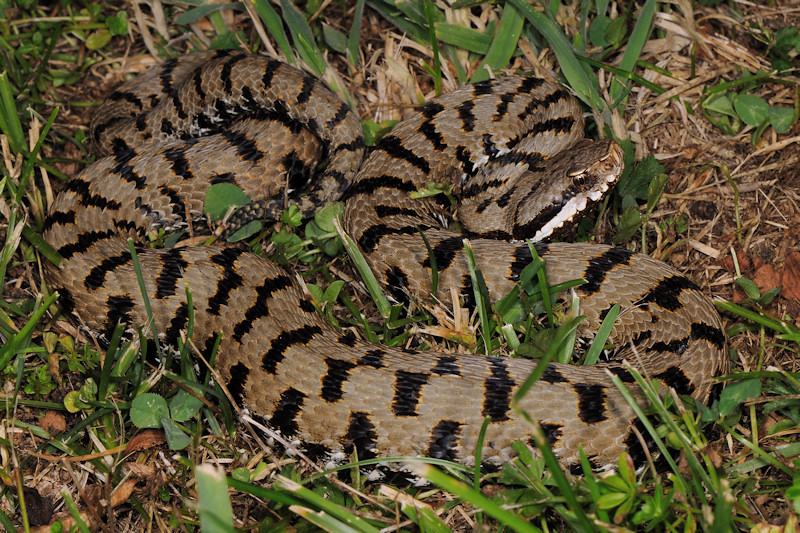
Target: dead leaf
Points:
(791, 277)
(122, 492)
(148, 438)
(53, 422)
(766, 278)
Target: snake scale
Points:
(230, 117)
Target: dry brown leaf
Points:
(791, 277)
(766, 278)
(53, 422)
(122, 492)
(148, 438)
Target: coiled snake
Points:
(175, 130)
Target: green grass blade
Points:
(464, 38)
(432, 261)
(80, 524)
(213, 502)
(10, 348)
(593, 353)
(27, 170)
(205, 10)
(580, 81)
(401, 21)
(430, 15)
(322, 520)
(476, 472)
(541, 276)
(461, 490)
(108, 362)
(367, 276)
(355, 33)
(9, 117)
(13, 234)
(44, 248)
(303, 37)
(655, 401)
(263, 492)
(143, 290)
(481, 296)
(6, 522)
(503, 45)
(326, 505)
(275, 26)
(562, 333)
(633, 50)
(417, 511)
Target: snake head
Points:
(572, 180)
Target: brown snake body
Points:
(325, 387)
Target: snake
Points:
(273, 130)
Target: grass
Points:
(738, 458)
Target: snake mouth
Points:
(588, 183)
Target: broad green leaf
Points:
(98, 39)
(751, 109)
(720, 104)
(616, 32)
(246, 231)
(147, 410)
(241, 473)
(325, 217)
(597, 31)
(221, 196)
(335, 39)
(117, 24)
(213, 502)
(74, 403)
(781, 118)
(611, 500)
(629, 224)
(316, 292)
(734, 394)
(749, 287)
(657, 185)
(637, 183)
(333, 290)
(176, 438)
(373, 131)
(184, 406)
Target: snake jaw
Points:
(590, 178)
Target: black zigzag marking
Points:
(334, 379)
(497, 391)
(284, 417)
(260, 307)
(172, 266)
(277, 348)
(407, 390)
(361, 435)
(599, 267)
(444, 439)
(591, 402)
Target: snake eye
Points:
(580, 180)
